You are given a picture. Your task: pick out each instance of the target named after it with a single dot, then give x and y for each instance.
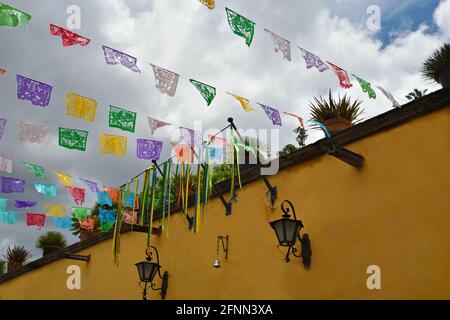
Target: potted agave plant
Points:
(16, 257)
(437, 66)
(51, 241)
(336, 115)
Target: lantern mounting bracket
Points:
(272, 192)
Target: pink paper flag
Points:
(300, 119)
(155, 124)
(5, 164)
(77, 194)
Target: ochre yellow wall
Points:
(394, 213)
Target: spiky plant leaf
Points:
(51, 238)
(17, 253)
(435, 61)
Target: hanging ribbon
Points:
(321, 126)
(152, 192)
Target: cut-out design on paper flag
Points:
(300, 119)
(38, 171)
(390, 96)
(36, 92)
(273, 114)
(104, 199)
(184, 153)
(113, 56)
(209, 3)
(11, 17)
(148, 149)
(63, 223)
(80, 107)
(80, 212)
(77, 194)
(36, 219)
(55, 210)
(87, 224)
(122, 119)
(366, 87)
(69, 38)
(190, 137)
(342, 75)
(11, 185)
(8, 217)
(114, 193)
(166, 81)
(3, 204)
(6, 164)
(25, 204)
(114, 145)
(32, 132)
(244, 102)
(47, 189)
(72, 139)
(216, 154)
(241, 26)
(313, 61)
(91, 184)
(156, 124)
(130, 217)
(208, 92)
(2, 126)
(64, 178)
(107, 215)
(281, 44)
(2, 71)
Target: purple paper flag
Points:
(113, 56)
(273, 114)
(2, 126)
(37, 92)
(10, 185)
(190, 137)
(25, 204)
(148, 149)
(313, 61)
(92, 185)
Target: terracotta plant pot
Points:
(443, 75)
(337, 124)
(14, 265)
(50, 249)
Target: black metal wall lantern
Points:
(147, 271)
(287, 231)
(224, 240)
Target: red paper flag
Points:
(77, 194)
(344, 80)
(35, 219)
(69, 38)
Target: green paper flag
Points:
(366, 87)
(206, 91)
(241, 25)
(38, 171)
(122, 119)
(11, 17)
(73, 139)
(80, 212)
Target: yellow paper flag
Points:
(112, 144)
(65, 179)
(55, 210)
(81, 107)
(244, 102)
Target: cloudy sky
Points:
(185, 37)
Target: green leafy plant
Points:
(2, 267)
(288, 149)
(51, 238)
(342, 108)
(432, 66)
(16, 255)
(76, 230)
